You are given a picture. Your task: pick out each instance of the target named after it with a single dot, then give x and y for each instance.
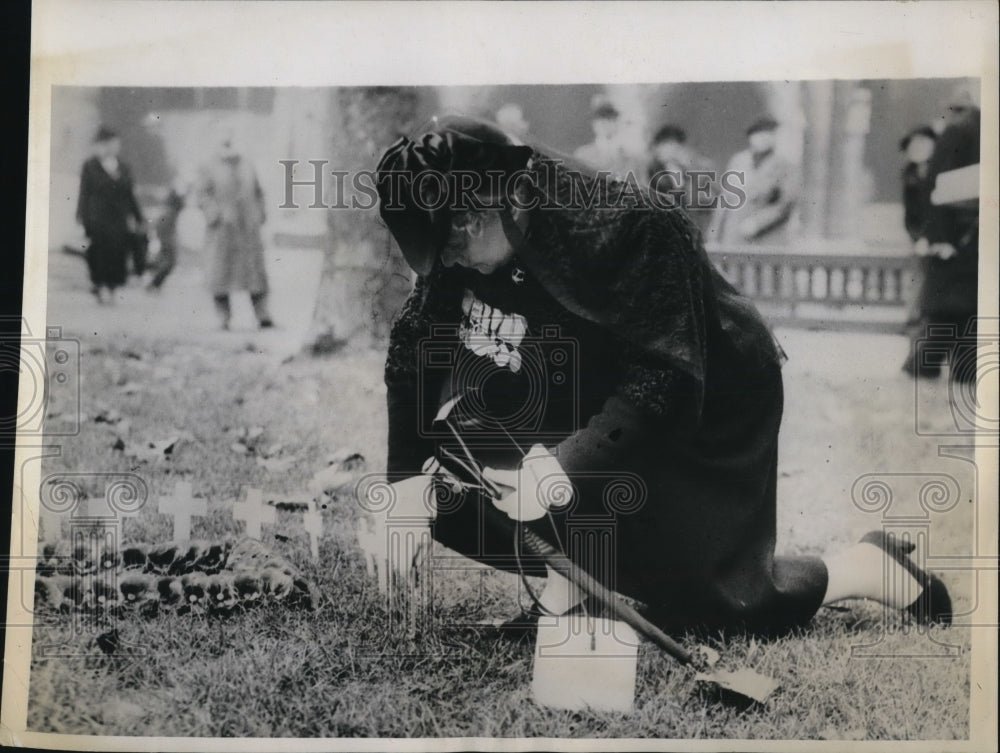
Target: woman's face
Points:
(919, 149)
(477, 241)
(762, 141)
(109, 148)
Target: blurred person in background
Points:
(510, 117)
(110, 214)
(679, 171)
(917, 146)
(606, 152)
(949, 292)
(770, 185)
(232, 201)
(165, 238)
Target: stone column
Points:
(850, 183)
(817, 153)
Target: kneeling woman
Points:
(576, 325)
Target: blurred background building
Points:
(842, 136)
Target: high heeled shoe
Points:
(933, 606)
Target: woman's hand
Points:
(533, 489)
(943, 250)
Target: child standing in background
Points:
(166, 235)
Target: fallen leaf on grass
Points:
(329, 480)
(246, 439)
(154, 450)
(346, 458)
(107, 416)
(120, 429)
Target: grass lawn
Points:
(341, 671)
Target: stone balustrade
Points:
(823, 290)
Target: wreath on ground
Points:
(199, 576)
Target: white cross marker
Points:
(182, 506)
(312, 520)
(253, 512)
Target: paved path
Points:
(182, 310)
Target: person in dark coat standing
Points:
(110, 214)
(602, 373)
(918, 146)
(680, 172)
(949, 294)
(231, 198)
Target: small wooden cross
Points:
(182, 506)
(312, 520)
(253, 512)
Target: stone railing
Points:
(836, 291)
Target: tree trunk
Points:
(365, 279)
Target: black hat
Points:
(422, 181)
(105, 134)
(670, 132)
(763, 123)
(924, 130)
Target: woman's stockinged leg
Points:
(879, 567)
(864, 571)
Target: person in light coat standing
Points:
(770, 185)
(230, 196)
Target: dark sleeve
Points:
(651, 398)
(410, 399)
(914, 214)
(407, 449)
